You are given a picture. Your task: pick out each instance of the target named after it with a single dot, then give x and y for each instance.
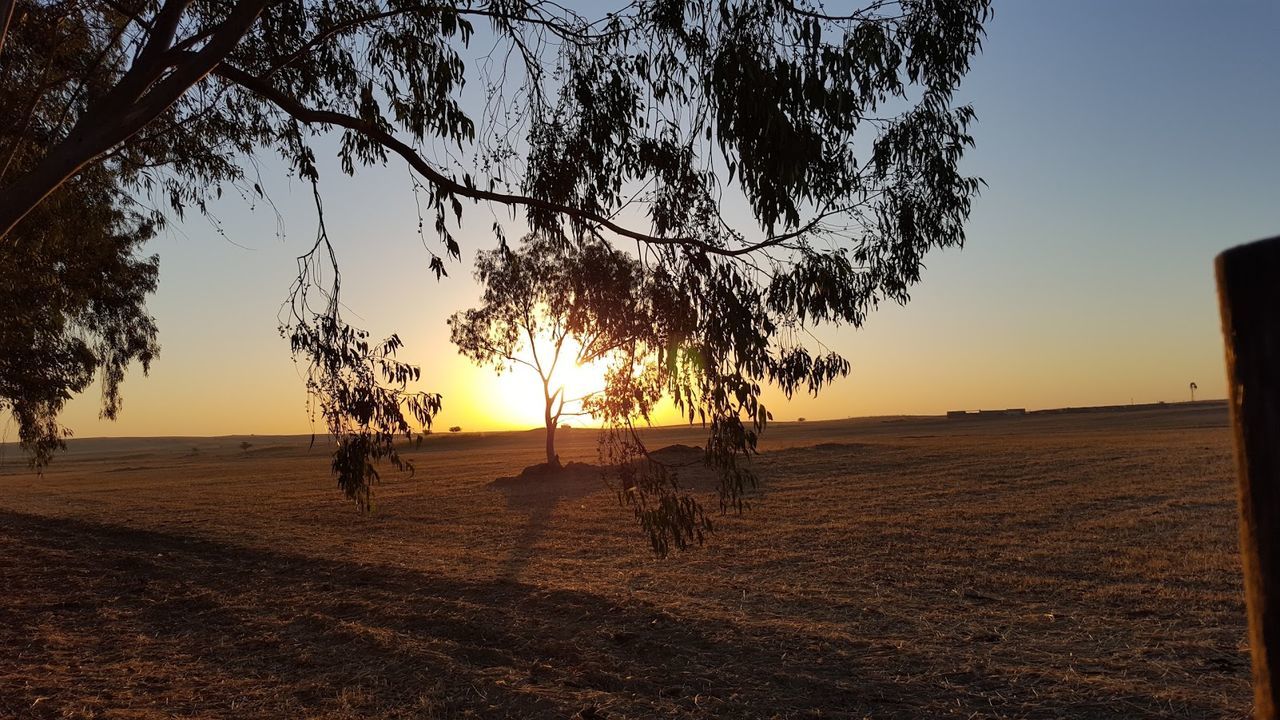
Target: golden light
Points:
(516, 396)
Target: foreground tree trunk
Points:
(1249, 293)
(553, 460)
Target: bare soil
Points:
(1048, 566)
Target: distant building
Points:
(1006, 411)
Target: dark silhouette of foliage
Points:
(836, 129)
(357, 386)
(72, 285)
(62, 324)
(455, 429)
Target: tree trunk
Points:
(552, 459)
(1250, 299)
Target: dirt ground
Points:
(1049, 566)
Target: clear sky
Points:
(1125, 143)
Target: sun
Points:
(518, 392)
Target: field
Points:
(1049, 566)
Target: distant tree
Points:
(244, 446)
(800, 420)
(1194, 387)
(835, 131)
(548, 292)
(455, 429)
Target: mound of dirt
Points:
(839, 447)
(677, 453)
(543, 475)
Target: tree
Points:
(1194, 387)
(548, 292)
(837, 132)
(67, 322)
(72, 284)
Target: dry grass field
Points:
(1050, 566)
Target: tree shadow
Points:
(101, 619)
(106, 617)
(539, 489)
(536, 492)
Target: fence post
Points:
(1249, 297)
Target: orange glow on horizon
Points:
(514, 399)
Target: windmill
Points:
(1194, 387)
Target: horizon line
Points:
(797, 420)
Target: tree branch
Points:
(162, 29)
(533, 348)
(555, 358)
(6, 15)
(863, 15)
(448, 185)
(138, 99)
(522, 361)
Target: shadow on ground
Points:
(539, 489)
(536, 492)
(100, 618)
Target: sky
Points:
(1124, 144)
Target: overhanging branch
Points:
(6, 15)
(140, 96)
(448, 185)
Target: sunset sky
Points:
(1124, 145)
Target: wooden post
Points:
(1249, 295)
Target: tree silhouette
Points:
(836, 131)
(1194, 387)
(73, 283)
(546, 293)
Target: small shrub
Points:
(456, 428)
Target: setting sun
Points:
(518, 392)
